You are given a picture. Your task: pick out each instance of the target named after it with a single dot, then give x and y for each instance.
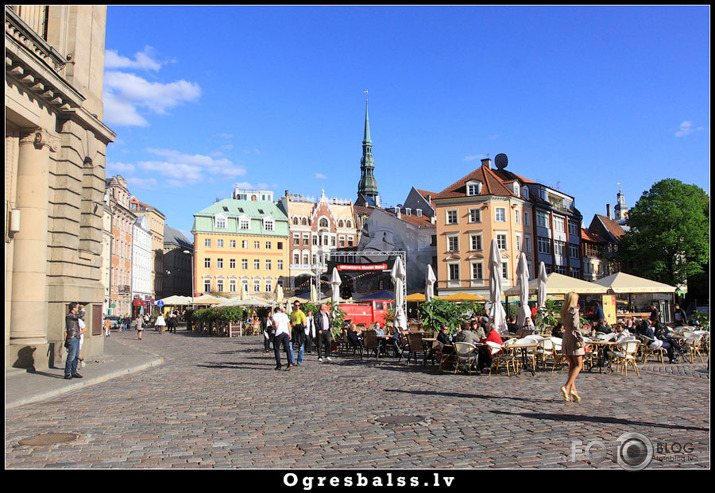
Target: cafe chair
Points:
(370, 343)
(693, 343)
(416, 345)
(625, 355)
(466, 356)
(501, 358)
(651, 348)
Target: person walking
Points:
(297, 320)
(322, 321)
(107, 327)
(72, 335)
(281, 323)
(572, 345)
(267, 329)
(139, 325)
(160, 323)
(172, 323)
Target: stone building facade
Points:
(54, 177)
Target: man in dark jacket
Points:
(72, 333)
(322, 322)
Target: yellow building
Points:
(240, 243)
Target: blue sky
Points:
(578, 98)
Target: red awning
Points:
(138, 302)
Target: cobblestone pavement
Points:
(218, 403)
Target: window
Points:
(573, 227)
(219, 263)
(257, 245)
(475, 242)
(475, 215)
(517, 216)
(306, 239)
(559, 248)
(517, 238)
(527, 218)
(541, 219)
(207, 263)
(573, 250)
(256, 264)
(452, 217)
(256, 285)
(559, 224)
(500, 214)
(477, 270)
(474, 187)
(504, 270)
(207, 242)
(269, 285)
(296, 258)
(453, 243)
(219, 285)
(244, 263)
(244, 244)
(268, 245)
(232, 286)
(207, 285)
(296, 239)
(219, 243)
(543, 244)
(244, 223)
(279, 245)
(269, 224)
(232, 243)
(279, 264)
(453, 272)
(323, 223)
(232, 263)
(501, 241)
(220, 222)
(268, 264)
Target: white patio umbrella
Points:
(429, 283)
(244, 292)
(522, 278)
(398, 276)
(335, 283)
(541, 294)
(496, 311)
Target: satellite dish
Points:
(501, 161)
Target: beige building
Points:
(155, 221)
(120, 292)
(55, 147)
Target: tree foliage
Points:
(668, 240)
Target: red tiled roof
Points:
(491, 184)
(612, 226)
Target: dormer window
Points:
(474, 187)
(244, 222)
(525, 192)
(220, 221)
(268, 223)
(516, 188)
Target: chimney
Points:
(608, 211)
(487, 162)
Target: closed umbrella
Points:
(496, 311)
(522, 278)
(244, 292)
(429, 283)
(541, 294)
(398, 279)
(335, 282)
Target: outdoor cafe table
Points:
(524, 347)
(601, 347)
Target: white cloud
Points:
(120, 168)
(176, 169)
(143, 60)
(686, 128)
(129, 97)
(320, 176)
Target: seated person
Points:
(602, 327)
(444, 342)
(485, 354)
(354, 336)
(512, 325)
(660, 338)
(378, 330)
(558, 330)
(466, 334)
(527, 329)
(622, 332)
(477, 329)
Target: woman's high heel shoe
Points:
(575, 397)
(564, 394)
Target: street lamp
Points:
(192, 271)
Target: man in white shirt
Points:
(282, 327)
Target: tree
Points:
(668, 240)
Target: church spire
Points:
(367, 187)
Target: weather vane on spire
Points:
(365, 95)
